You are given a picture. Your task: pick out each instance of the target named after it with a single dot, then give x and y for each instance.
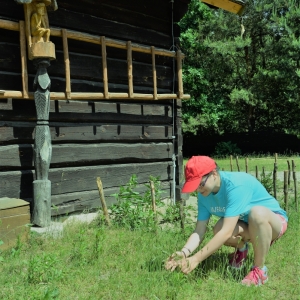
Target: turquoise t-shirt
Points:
(238, 193)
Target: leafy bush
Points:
(267, 181)
(133, 210)
(224, 149)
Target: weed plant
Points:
(94, 261)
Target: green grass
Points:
(97, 262)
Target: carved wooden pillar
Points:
(41, 215)
(40, 50)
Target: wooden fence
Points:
(288, 175)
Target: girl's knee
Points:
(258, 214)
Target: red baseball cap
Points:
(195, 169)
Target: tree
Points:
(242, 72)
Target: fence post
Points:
(275, 179)
(256, 172)
(246, 164)
(237, 163)
(102, 198)
(231, 163)
(289, 172)
(295, 184)
(285, 190)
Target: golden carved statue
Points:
(38, 25)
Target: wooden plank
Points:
(23, 60)
(78, 154)
(231, 6)
(22, 210)
(80, 201)
(129, 70)
(91, 112)
(67, 63)
(144, 14)
(12, 228)
(18, 184)
(89, 23)
(72, 133)
(9, 25)
(104, 67)
(154, 74)
(86, 67)
(179, 74)
(95, 96)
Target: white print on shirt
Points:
(217, 209)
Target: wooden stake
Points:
(285, 190)
(153, 200)
(104, 67)
(246, 164)
(102, 198)
(256, 171)
(289, 172)
(129, 64)
(179, 74)
(295, 184)
(275, 180)
(24, 60)
(154, 74)
(67, 63)
(231, 163)
(153, 196)
(237, 163)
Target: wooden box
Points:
(14, 220)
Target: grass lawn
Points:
(96, 262)
(93, 261)
(266, 162)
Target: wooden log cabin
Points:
(89, 89)
(114, 82)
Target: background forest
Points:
(243, 72)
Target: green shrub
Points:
(224, 149)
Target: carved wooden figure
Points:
(38, 31)
(38, 25)
(42, 146)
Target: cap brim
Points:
(191, 186)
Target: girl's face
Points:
(209, 183)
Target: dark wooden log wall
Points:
(107, 139)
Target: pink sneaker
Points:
(256, 276)
(236, 259)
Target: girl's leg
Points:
(264, 226)
(239, 236)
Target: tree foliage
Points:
(242, 72)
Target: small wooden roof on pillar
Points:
(234, 6)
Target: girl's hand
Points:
(174, 260)
(188, 265)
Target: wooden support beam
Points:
(93, 96)
(9, 25)
(179, 74)
(67, 63)
(23, 60)
(154, 74)
(129, 69)
(231, 6)
(104, 67)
